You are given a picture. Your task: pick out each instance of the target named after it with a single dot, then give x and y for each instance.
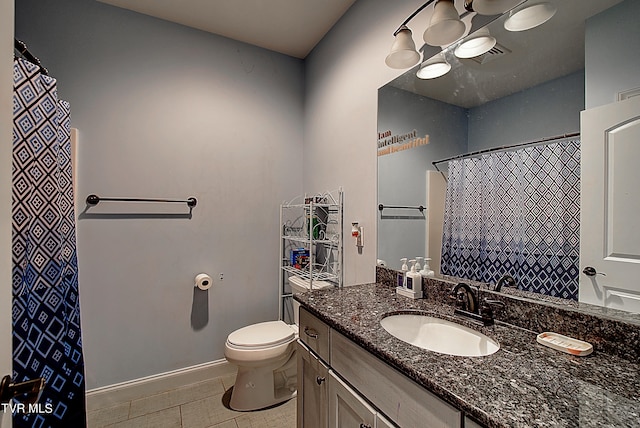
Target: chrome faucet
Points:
(468, 306)
(505, 280)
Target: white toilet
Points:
(266, 359)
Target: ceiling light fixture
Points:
(434, 67)
(529, 17)
(403, 51)
(445, 26)
(476, 44)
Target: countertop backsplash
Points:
(608, 330)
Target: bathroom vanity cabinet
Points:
(414, 387)
(342, 385)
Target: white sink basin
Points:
(439, 335)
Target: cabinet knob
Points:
(320, 379)
(363, 425)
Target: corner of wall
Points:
(6, 91)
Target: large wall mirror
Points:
(531, 86)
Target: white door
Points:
(610, 206)
(6, 126)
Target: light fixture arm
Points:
(417, 11)
(468, 6)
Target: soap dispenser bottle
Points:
(402, 276)
(419, 263)
(414, 279)
(426, 270)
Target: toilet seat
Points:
(261, 336)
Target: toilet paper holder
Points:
(203, 281)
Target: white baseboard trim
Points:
(118, 393)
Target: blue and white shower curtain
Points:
(516, 213)
(46, 307)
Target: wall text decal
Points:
(388, 143)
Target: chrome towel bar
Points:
(95, 199)
(419, 208)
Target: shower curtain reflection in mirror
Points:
(518, 213)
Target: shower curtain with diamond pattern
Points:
(46, 311)
(518, 213)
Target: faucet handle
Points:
(486, 309)
(496, 303)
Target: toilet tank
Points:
(301, 285)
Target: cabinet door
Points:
(470, 423)
(382, 422)
(346, 408)
(312, 390)
(403, 401)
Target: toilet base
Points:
(258, 388)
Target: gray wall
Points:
(612, 55)
(168, 111)
(343, 74)
(402, 175)
(547, 110)
(6, 125)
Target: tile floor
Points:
(199, 405)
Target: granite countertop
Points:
(523, 384)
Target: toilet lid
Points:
(264, 334)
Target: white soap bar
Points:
(565, 344)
